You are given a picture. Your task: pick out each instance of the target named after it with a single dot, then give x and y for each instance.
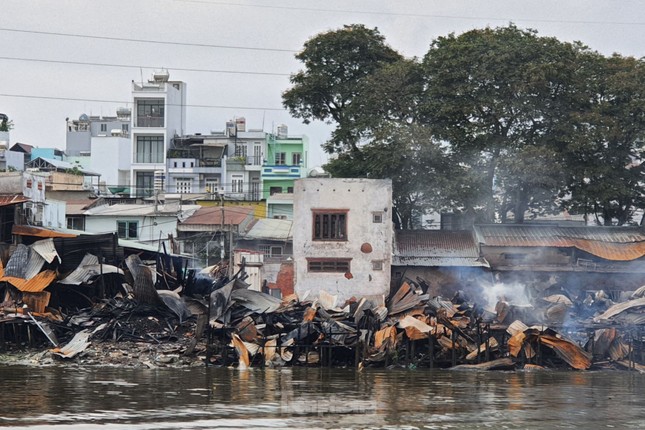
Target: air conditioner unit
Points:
(37, 218)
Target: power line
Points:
(157, 42)
(27, 96)
(415, 15)
(128, 66)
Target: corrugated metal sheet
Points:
(546, 235)
(28, 230)
(435, 243)
(46, 249)
(271, 229)
(17, 264)
(12, 199)
(34, 285)
(73, 250)
(610, 243)
(34, 265)
(88, 269)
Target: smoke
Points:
(514, 293)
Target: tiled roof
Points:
(233, 215)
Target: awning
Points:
(28, 230)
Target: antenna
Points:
(141, 71)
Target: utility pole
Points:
(222, 249)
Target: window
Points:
(257, 155)
(377, 217)
(212, 185)
(330, 225)
(296, 158)
(145, 184)
(184, 185)
(127, 229)
(76, 222)
(280, 158)
(238, 184)
(240, 150)
(377, 264)
(290, 190)
(103, 127)
(125, 128)
(149, 149)
(150, 113)
(271, 250)
(275, 190)
(331, 265)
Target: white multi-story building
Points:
(228, 163)
(342, 236)
(159, 114)
(102, 143)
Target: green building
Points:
(286, 161)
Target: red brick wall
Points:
(285, 279)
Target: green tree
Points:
(417, 165)
(335, 64)
(605, 158)
(503, 96)
(5, 123)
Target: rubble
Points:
(147, 313)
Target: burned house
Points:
(445, 260)
(575, 259)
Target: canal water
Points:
(311, 398)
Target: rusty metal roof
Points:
(12, 199)
(610, 243)
(436, 248)
(34, 285)
(29, 230)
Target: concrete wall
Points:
(361, 198)
(111, 157)
(11, 182)
(12, 160)
(54, 214)
(150, 228)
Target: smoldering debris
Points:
(146, 313)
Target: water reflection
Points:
(316, 398)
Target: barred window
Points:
(330, 225)
(330, 265)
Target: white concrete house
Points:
(149, 224)
(342, 236)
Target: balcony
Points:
(194, 165)
(281, 171)
(149, 121)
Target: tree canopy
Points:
(500, 123)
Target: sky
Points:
(236, 56)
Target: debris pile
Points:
(412, 329)
(157, 313)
